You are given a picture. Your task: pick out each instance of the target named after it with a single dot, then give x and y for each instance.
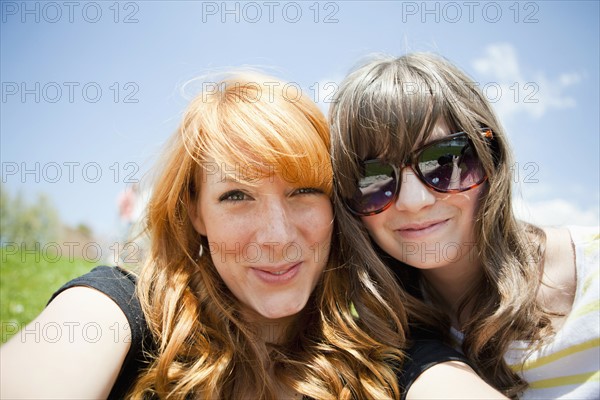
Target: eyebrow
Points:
(234, 178)
(230, 179)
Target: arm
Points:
(451, 380)
(73, 349)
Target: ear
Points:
(195, 215)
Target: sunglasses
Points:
(447, 165)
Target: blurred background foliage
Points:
(38, 254)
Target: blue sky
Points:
(92, 90)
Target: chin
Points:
(279, 312)
(420, 264)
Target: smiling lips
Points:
(277, 275)
(414, 231)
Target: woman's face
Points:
(424, 228)
(269, 241)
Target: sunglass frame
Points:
(412, 162)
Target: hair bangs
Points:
(383, 110)
(253, 130)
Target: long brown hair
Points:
(387, 107)
(204, 347)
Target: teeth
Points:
(278, 273)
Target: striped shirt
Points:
(568, 366)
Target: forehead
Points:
(439, 131)
(214, 171)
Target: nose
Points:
(277, 226)
(414, 195)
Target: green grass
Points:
(27, 280)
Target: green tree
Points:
(5, 203)
(25, 223)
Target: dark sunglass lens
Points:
(451, 165)
(472, 167)
(375, 189)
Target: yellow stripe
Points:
(566, 380)
(586, 309)
(592, 277)
(590, 344)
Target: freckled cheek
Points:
(316, 227)
(231, 231)
(318, 218)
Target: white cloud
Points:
(512, 91)
(555, 212)
(543, 204)
(569, 79)
(499, 62)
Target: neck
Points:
(270, 330)
(452, 281)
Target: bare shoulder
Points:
(451, 380)
(69, 351)
(82, 298)
(559, 281)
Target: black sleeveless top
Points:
(119, 285)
